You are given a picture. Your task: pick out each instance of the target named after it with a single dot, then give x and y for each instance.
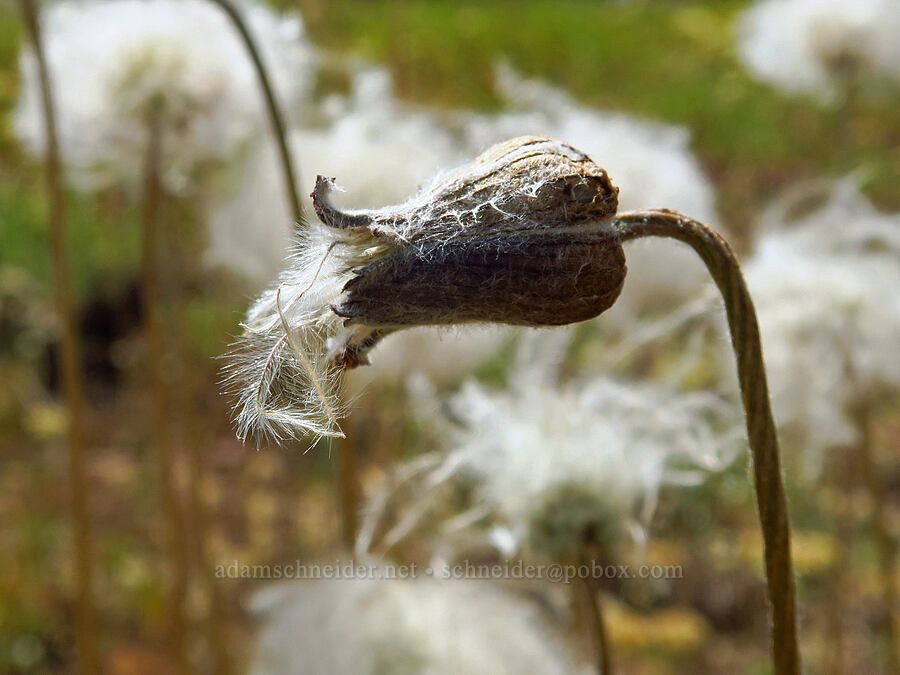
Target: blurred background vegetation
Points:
(669, 61)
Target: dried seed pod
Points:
(519, 236)
(522, 235)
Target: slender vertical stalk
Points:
(176, 546)
(275, 115)
(770, 497)
(72, 374)
(886, 543)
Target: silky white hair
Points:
(608, 445)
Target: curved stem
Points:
(72, 374)
(771, 501)
(275, 116)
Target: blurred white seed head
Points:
(844, 222)
(251, 227)
(382, 150)
(825, 292)
(111, 61)
(651, 163)
(815, 46)
(444, 355)
(521, 235)
(561, 465)
(350, 627)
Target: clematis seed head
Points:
(522, 235)
(519, 236)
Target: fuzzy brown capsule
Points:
(521, 236)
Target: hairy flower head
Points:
(522, 235)
(559, 466)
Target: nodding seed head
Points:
(522, 235)
(519, 236)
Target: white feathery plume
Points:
(355, 626)
(810, 45)
(112, 60)
(825, 292)
(280, 368)
(650, 162)
(553, 463)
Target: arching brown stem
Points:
(275, 115)
(771, 501)
(72, 374)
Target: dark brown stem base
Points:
(771, 501)
(72, 374)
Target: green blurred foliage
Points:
(668, 61)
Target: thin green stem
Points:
(276, 118)
(770, 496)
(72, 373)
